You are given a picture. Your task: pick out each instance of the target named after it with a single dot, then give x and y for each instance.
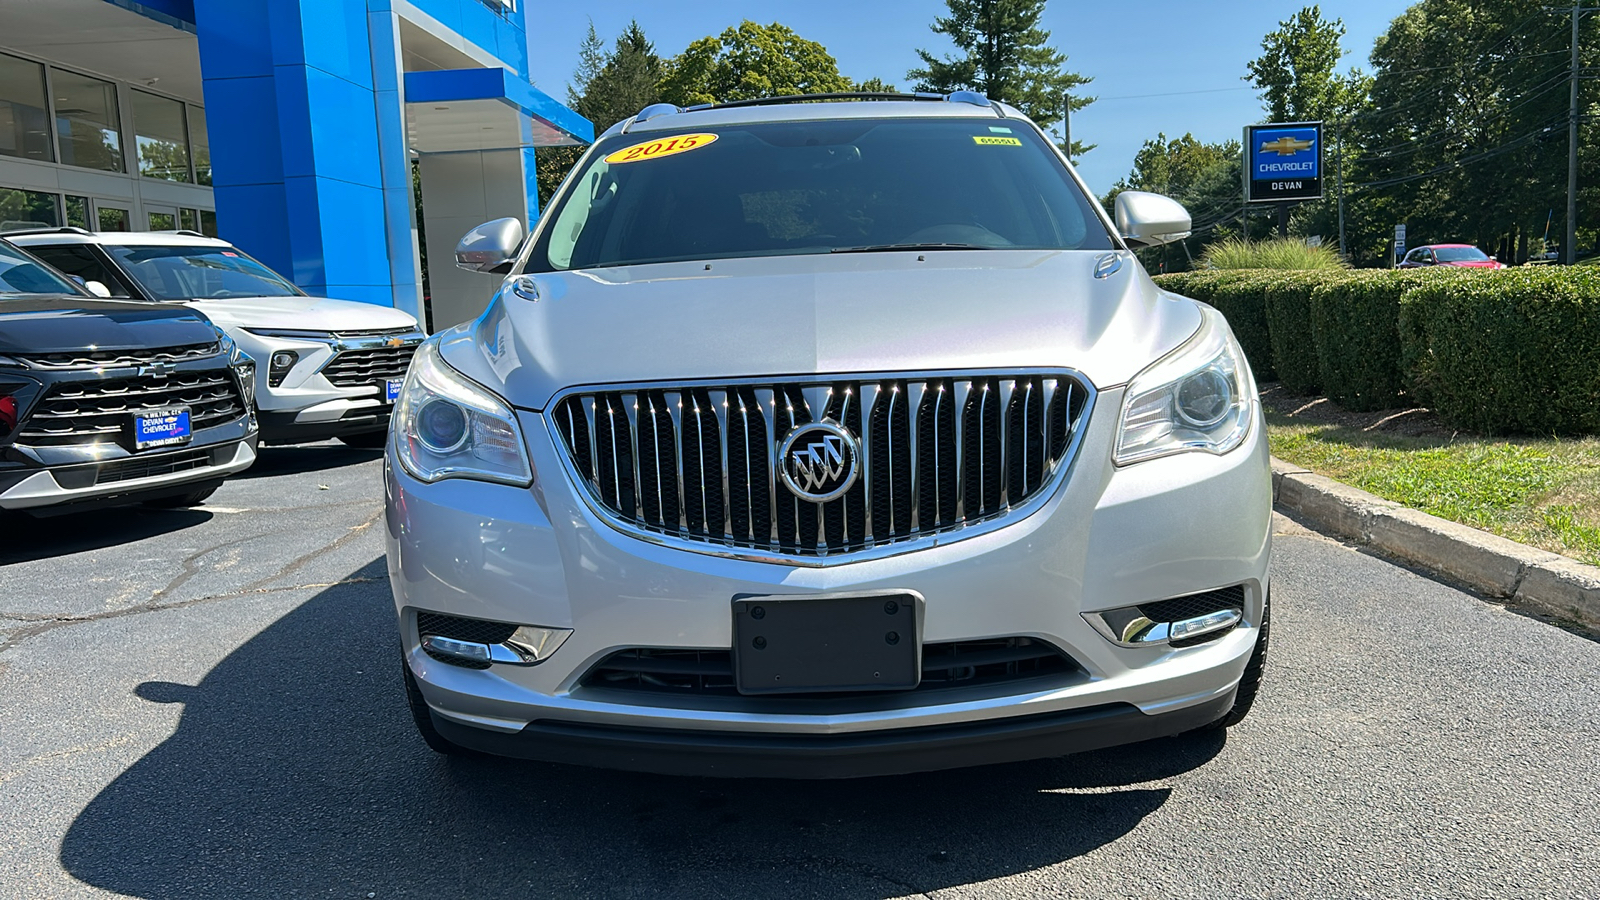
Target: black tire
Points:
(423, 717)
(178, 501)
(1250, 682)
(366, 440)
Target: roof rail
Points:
(48, 229)
(807, 98)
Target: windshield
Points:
(850, 185)
(200, 273)
(1460, 254)
(21, 274)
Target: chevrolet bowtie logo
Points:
(395, 342)
(157, 370)
(1285, 146)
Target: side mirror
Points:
(1150, 220)
(97, 289)
(491, 247)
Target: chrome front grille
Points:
(99, 410)
(698, 462)
(369, 365)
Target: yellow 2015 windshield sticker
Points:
(656, 149)
(989, 140)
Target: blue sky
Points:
(1189, 52)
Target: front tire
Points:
(423, 718)
(1250, 682)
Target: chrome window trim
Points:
(1005, 517)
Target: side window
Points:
(76, 259)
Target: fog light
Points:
(1206, 624)
(282, 361)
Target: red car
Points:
(1462, 255)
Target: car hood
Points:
(803, 315)
(64, 324)
(303, 314)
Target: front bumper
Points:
(82, 485)
(1107, 538)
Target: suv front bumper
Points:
(1108, 538)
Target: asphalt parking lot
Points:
(207, 703)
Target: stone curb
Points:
(1492, 565)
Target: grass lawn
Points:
(1539, 491)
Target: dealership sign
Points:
(1283, 162)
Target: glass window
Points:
(76, 259)
(200, 140)
(20, 274)
(78, 212)
(783, 188)
(189, 219)
(200, 273)
(163, 221)
(159, 133)
(27, 209)
(208, 223)
(87, 121)
(24, 117)
(1461, 254)
(113, 219)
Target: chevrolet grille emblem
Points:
(1285, 146)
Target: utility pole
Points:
(1339, 161)
(1570, 249)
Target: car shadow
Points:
(295, 459)
(26, 538)
(295, 770)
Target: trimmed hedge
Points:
(1294, 346)
(1355, 323)
(1514, 351)
(1489, 351)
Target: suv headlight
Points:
(446, 426)
(1200, 396)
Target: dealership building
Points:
(293, 128)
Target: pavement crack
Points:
(300, 561)
(36, 625)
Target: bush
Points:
(1282, 254)
(1287, 299)
(1355, 326)
(1510, 351)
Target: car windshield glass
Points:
(1460, 254)
(21, 274)
(200, 273)
(842, 185)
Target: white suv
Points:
(326, 368)
(828, 439)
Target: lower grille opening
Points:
(477, 631)
(1195, 605)
(956, 664)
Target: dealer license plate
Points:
(161, 428)
(391, 389)
(809, 644)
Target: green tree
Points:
(1005, 56)
(749, 61)
(608, 86)
(1297, 71)
(875, 85)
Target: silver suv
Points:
(828, 439)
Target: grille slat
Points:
(935, 453)
(107, 359)
(367, 365)
(90, 411)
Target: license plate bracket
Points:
(811, 643)
(161, 428)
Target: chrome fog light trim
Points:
(1128, 627)
(527, 646)
(1217, 621)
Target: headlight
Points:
(445, 426)
(1198, 397)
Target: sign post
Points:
(1282, 164)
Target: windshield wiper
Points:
(874, 248)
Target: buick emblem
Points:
(819, 461)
